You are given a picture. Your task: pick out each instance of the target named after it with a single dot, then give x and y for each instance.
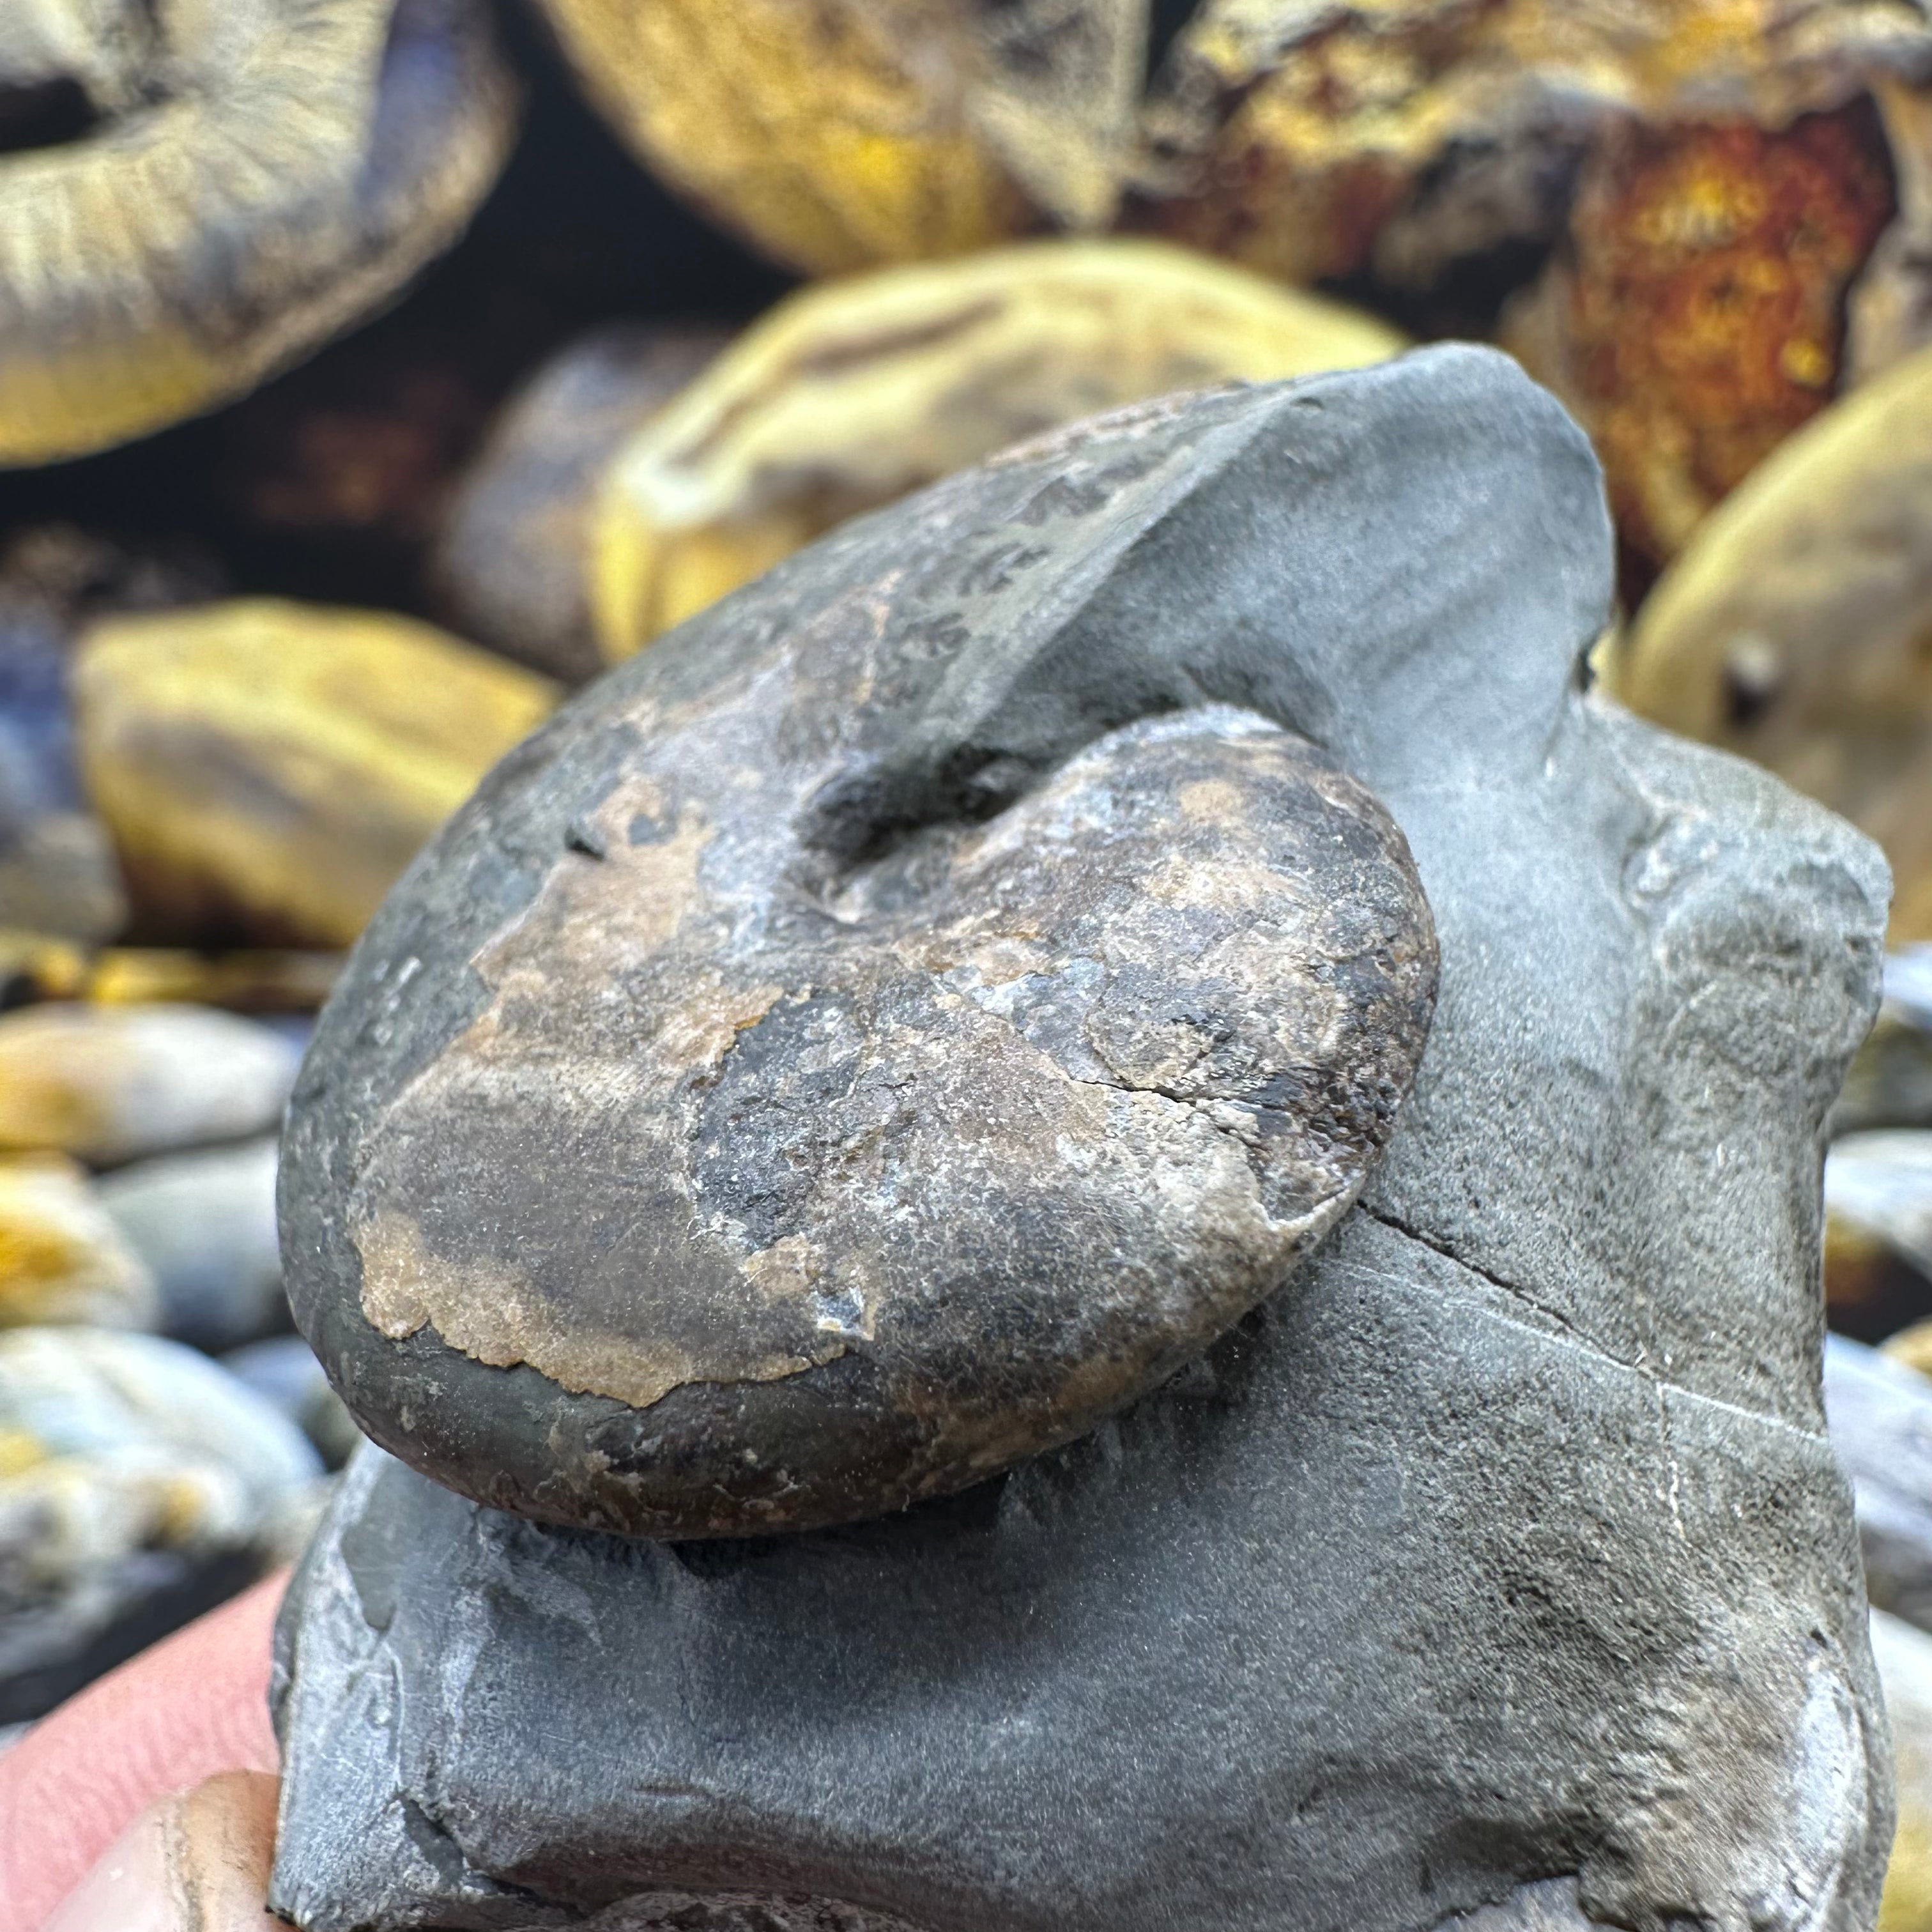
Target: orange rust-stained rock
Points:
(1695, 320)
(1734, 191)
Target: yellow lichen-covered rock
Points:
(839, 134)
(36, 966)
(263, 173)
(1794, 628)
(62, 1258)
(1720, 181)
(268, 768)
(109, 1084)
(850, 395)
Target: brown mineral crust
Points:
(1312, 140)
(1699, 311)
(1732, 191)
(1018, 1115)
(1311, 155)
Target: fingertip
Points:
(194, 1705)
(197, 1861)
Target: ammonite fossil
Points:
(839, 1109)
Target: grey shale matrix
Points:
(938, 1030)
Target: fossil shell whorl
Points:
(266, 172)
(832, 1111)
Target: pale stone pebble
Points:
(204, 1223)
(109, 1085)
(140, 1484)
(62, 1258)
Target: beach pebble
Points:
(204, 1223)
(111, 1083)
(139, 1485)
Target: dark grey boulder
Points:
(1497, 1560)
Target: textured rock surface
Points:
(110, 1083)
(139, 1485)
(204, 1224)
(1502, 1546)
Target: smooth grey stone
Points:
(283, 1370)
(1880, 1413)
(1502, 1545)
(204, 1222)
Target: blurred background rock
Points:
(551, 320)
